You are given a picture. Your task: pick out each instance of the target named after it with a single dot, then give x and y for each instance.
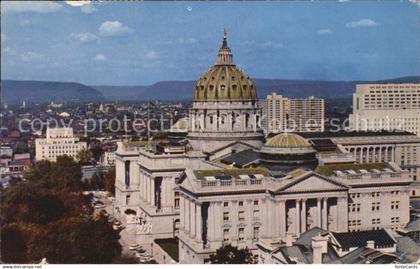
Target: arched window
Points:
(246, 120)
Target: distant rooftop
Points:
(329, 170)
(231, 173)
(353, 134)
(358, 239)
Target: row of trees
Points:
(47, 216)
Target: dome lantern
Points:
(224, 57)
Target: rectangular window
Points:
(354, 207)
(256, 214)
(225, 204)
(375, 206)
(376, 221)
(127, 199)
(176, 200)
(241, 234)
(395, 220)
(256, 233)
(225, 216)
(395, 204)
(225, 235)
(376, 194)
(255, 202)
(241, 203)
(241, 215)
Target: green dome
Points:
(224, 81)
(287, 140)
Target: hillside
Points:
(183, 90)
(15, 91)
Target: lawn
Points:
(170, 246)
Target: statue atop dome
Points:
(224, 57)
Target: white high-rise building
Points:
(281, 114)
(386, 107)
(58, 141)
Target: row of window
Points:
(373, 194)
(375, 221)
(375, 206)
(241, 234)
(241, 215)
(240, 203)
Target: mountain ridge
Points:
(183, 90)
(35, 91)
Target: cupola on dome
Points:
(225, 81)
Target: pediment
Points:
(312, 183)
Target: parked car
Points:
(134, 246)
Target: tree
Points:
(47, 216)
(95, 149)
(13, 245)
(94, 183)
(84, 156)
(76, 240)
(109, 181)
(63, 175)
(228, 254)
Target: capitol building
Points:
(224, 182)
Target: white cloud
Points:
(8, 51)
(113, 28)
(361, 23)
(270, 44)
(77, 3)
(325, 31)
(24, 22)
(30, 6)
(100, 58)
(84, 37)
(152, 55)
(31, 56)
(186, 40)
(3, 37)
(88, 9)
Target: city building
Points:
(227, 184)
(402, 148)
(386, 107)
(283, 114)
(58, 141)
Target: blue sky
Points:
(141, 43)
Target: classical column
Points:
(392, 154)
(148, 190)
(282, 209)
(144, 187)
(380, 154)
(217, 220)
(152, 191)
(297, 217)
(265, 218)
(342, 218)
(361, 155)
(325, 214)
(318, 212)
(303, 216)
(187, 214)
(192, 218)
(181, 212)
(198, 221)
